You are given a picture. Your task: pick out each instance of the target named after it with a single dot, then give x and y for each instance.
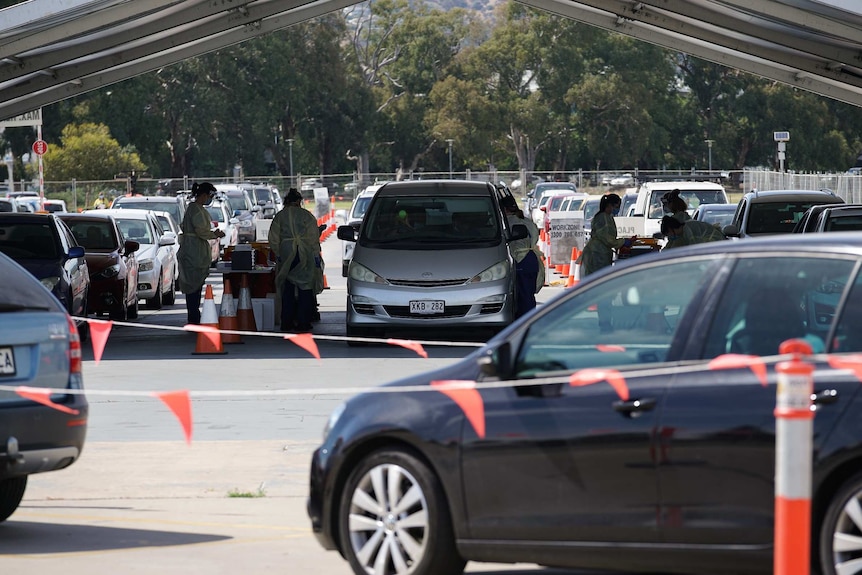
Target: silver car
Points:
(431, 254)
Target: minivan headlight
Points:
(361, 273)
(496, 272)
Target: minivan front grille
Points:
(403, 311)
(427, 283)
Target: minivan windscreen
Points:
(432, 221)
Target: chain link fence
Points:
(80, 195)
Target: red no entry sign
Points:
(40, 147)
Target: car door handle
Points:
(634, 406)
(824, 397)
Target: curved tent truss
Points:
(51, 50)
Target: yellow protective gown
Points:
(194, 256)
(598, 253)
(294, 231)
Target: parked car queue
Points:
(98, 262)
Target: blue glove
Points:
(627, 243)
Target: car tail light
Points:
(75, 362)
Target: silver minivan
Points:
(431, 254)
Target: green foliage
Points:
(383, 85)
(88, 152)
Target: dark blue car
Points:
(43, 245)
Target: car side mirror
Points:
(237, 213)
(169, 239)
(519, 232)
(75, 252)
(530, 194)
(233, 221)
(346, 233)
(496, 363)
(255, 208)
(731, 230)
(130, 246)
(658, 236)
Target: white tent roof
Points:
(55, 49)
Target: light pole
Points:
(449, 141)
(709, 146)
(290, 148)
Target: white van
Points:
(354, 218)
(648, 210)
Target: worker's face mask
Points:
(616, 211)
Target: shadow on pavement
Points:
(27, 538)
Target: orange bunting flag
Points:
(211, 333)
(409, 344)
(179, 403)
(305, 341)
(737, 361)
(851, 362)
(591, 376)
(43, 396)
(99, 331)
(468, 399)
(610, 348)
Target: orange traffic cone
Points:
(245, 313)
(209, 343)
(227, 319)
(574, 269)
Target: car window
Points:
(642, 308)
(718, 217)
(848, 335)
(768, 300)
(28, 240)
(93, 235)
(216, 213)
(776, 217)
(436, 222)
(237, 203)
(843, 223)
(137, 230)
(590, 209)
(360, 206)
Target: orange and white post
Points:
(794, 419)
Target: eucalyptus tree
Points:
(401, 52)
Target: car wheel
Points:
(171, 297)
(841, 530)
(11, 493)
(121, 314)
(133, 310)
(394, 518)
(155, 302)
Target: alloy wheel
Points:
(388, 521)
(847, 537)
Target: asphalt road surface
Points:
(142, 500)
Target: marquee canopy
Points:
(51, 50)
